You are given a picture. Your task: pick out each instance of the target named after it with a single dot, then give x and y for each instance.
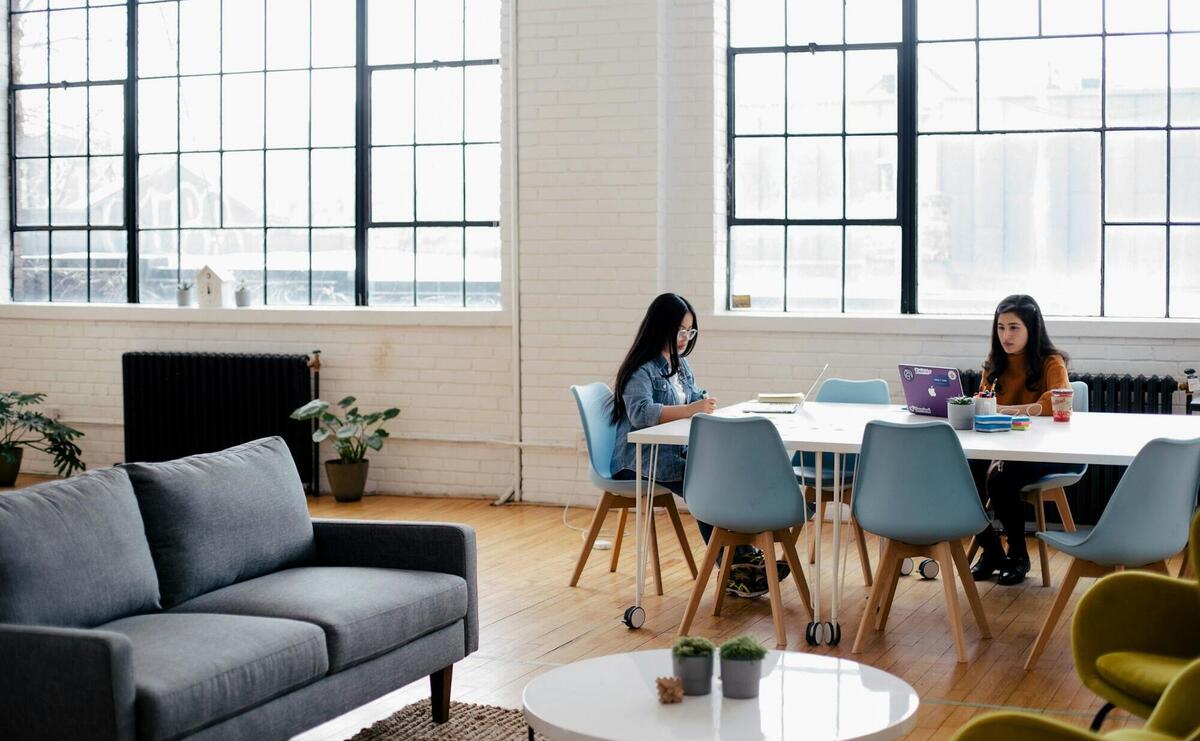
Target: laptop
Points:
(782, 403)
(927, 388)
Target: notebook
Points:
(782, 403)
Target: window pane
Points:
(332, 188)
(33, 192)
(389, 34)
(871, 177)
(68, 192)
(946, 87)
(106, 191)
(1123, 16)
(31, 266)
(755, 23)
(68, 266)
(483, 104)
(32, 119)
(287, 266)
(814, 93)
(287, 188)
(440, 267)
(68, 45)
(439, 105)
(287, 109)
(872, 21)
(107, 119)
(814, 268)
(483, 31)
(29, 38)
(815, 177)
(1185, 271)
(1185, 15)
(1185, 175)
(814, 21)
(109, 267)
(1040, 83)
(391, 266)
(199, 36)
(157, 115)
(946, 19)
(758, 82)
(236, 251)
(1071, 16)
(242, 196)
(1136, 81)
(758, 178)
(200, 189)
(483, 182)
(68, 121)
(999, 206)
(157, 194)
(873, 269)
(1008, 18)
(200, 113)
(392, 107)
(242, 111)
(158, 261)
(756, 261)
(334, 23)
(287, 37)
(439, 30)
(871, 91)
(242, 41)
(439, 184)
(483, 267)
(391, 184)
(1185, 80)
(333, 267)
(1135, 268)
(333, 108)
(106, 44)
(157, 39)
(1135, 176)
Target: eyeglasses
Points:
(686, 335)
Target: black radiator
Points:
(179, 404)
(1106, 393)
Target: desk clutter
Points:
(993, 422)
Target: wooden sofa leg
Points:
(439, 693)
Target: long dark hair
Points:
(1037, 349)
(659, 329)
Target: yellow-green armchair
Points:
(1134, 632)
(1177, 718)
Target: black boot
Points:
(992, 557)
(1015, 567)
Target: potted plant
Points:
(960, 412)
(352, 434)
(242, 296)
(741, 667)
(183, 294)
(692, 662)
(22, 427)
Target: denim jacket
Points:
(646, 393)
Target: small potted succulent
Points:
(741, 667)
(692, 662)
(352, 434)
(960, 412)
(242, 296)
(183, 293)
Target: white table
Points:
(801, 696)
(1094, 438)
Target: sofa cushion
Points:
(1141, 675)
(365, 612)
(73, 553)
(191, 671)
(219, 518)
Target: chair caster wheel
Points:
(906, 567)
(833, 633)
(929, 569)
(635, 617)
(812, 634)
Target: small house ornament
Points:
(214, 288)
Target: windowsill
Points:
(965, 326)
(318, 315)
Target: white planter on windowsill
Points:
(183, 296)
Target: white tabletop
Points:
(801, 696)
(1098, 438)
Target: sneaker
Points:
(759, 562)
(746, 582)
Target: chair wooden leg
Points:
(616, 556)
(973, 549)
(1059, 497)
(723, 579)
(787, 539)
(1185, 566)
(1077, 569)
(1039, 509)
(864, 558)
(964, 575)
(942, 554)
(654, 555)
(673, 513)
(888, 581)
(886, 561)
(593, 531)
(767, 543)
(439, 693)
(706, 567)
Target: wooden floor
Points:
(531, 621)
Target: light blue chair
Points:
(1145, 523)
(913, 488)
(595, 402)
(839, 391)
(1052, 489)
(739, 480)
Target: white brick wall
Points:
(621, 163)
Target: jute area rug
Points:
(467, 723)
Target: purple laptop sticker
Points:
(928, 388)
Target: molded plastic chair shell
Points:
(913, 484)
(738, 476)
(594, 401)
(1079, 403)
(840, 391)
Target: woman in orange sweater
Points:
(1022, 368)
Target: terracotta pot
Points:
(347, 480)
(10, 465)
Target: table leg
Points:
(813, 634)
(639, 543)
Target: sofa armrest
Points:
(58, 683)
(447, 548)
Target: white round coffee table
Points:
(802, 696)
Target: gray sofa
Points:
(196, 598)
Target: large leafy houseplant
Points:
(352, 433)
(22, 426)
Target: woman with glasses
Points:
(655, 385)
